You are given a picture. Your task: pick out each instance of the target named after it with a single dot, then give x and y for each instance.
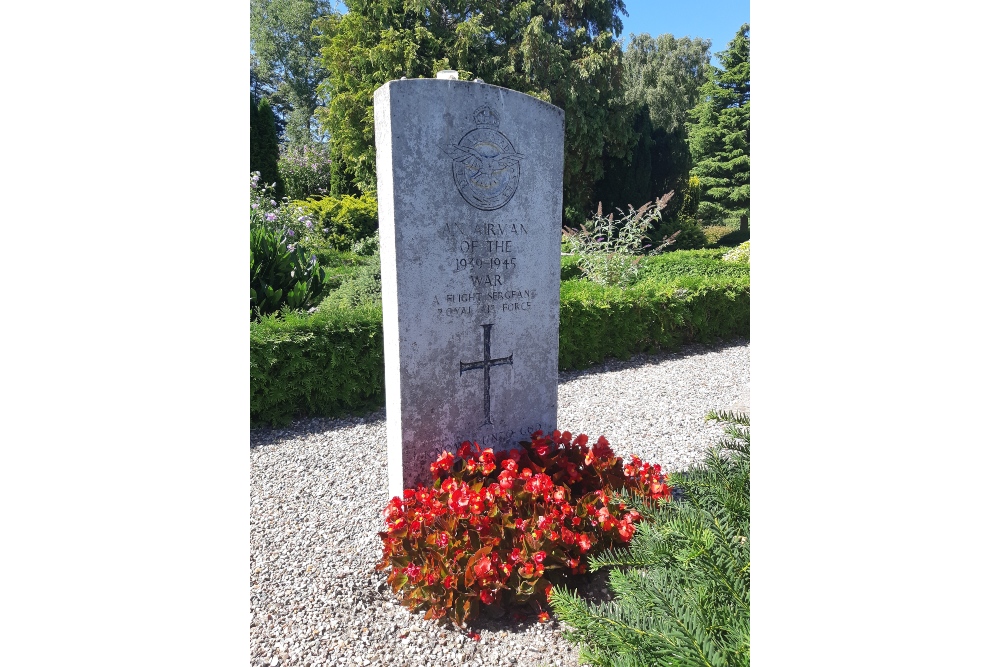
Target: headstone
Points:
(470, 211)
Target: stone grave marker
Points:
(470, 214)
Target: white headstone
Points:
(470, 211)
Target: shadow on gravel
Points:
(592, 587)
(690, 350)
(264, 435)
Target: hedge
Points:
(331, 364)
(320, 366)
(598, 322)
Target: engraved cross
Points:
(485, 365)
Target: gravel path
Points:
(315, 598)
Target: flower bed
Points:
(499, 528)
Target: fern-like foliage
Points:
(682, 587)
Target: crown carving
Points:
(485, 115)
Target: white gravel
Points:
(317, 489)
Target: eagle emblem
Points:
(484, 163)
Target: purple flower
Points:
(291, 232)
(271, 217)
(273, 203)
(253, 205)
(309, 224)
(291, 247)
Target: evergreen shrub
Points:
(682, 587)
(264, 148)
(342, 220)
(325, 364)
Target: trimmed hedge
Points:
(598, 322)
(326, 365)
(331, 364)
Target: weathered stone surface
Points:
(470, 202)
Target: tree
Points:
(720, 135)
(560, 51)
(264, 143)
(661, 78)
(666, 74)
(285, 61)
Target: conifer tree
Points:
(264, 143)
(683, 585)
(720, 135)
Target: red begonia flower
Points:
(625, 530)
(483, 568)
(443, 463)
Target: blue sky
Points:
(717, 20)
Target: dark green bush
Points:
(691, 236)
(734, 238)
(342, 220)
(327, 364)
(264, 148)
